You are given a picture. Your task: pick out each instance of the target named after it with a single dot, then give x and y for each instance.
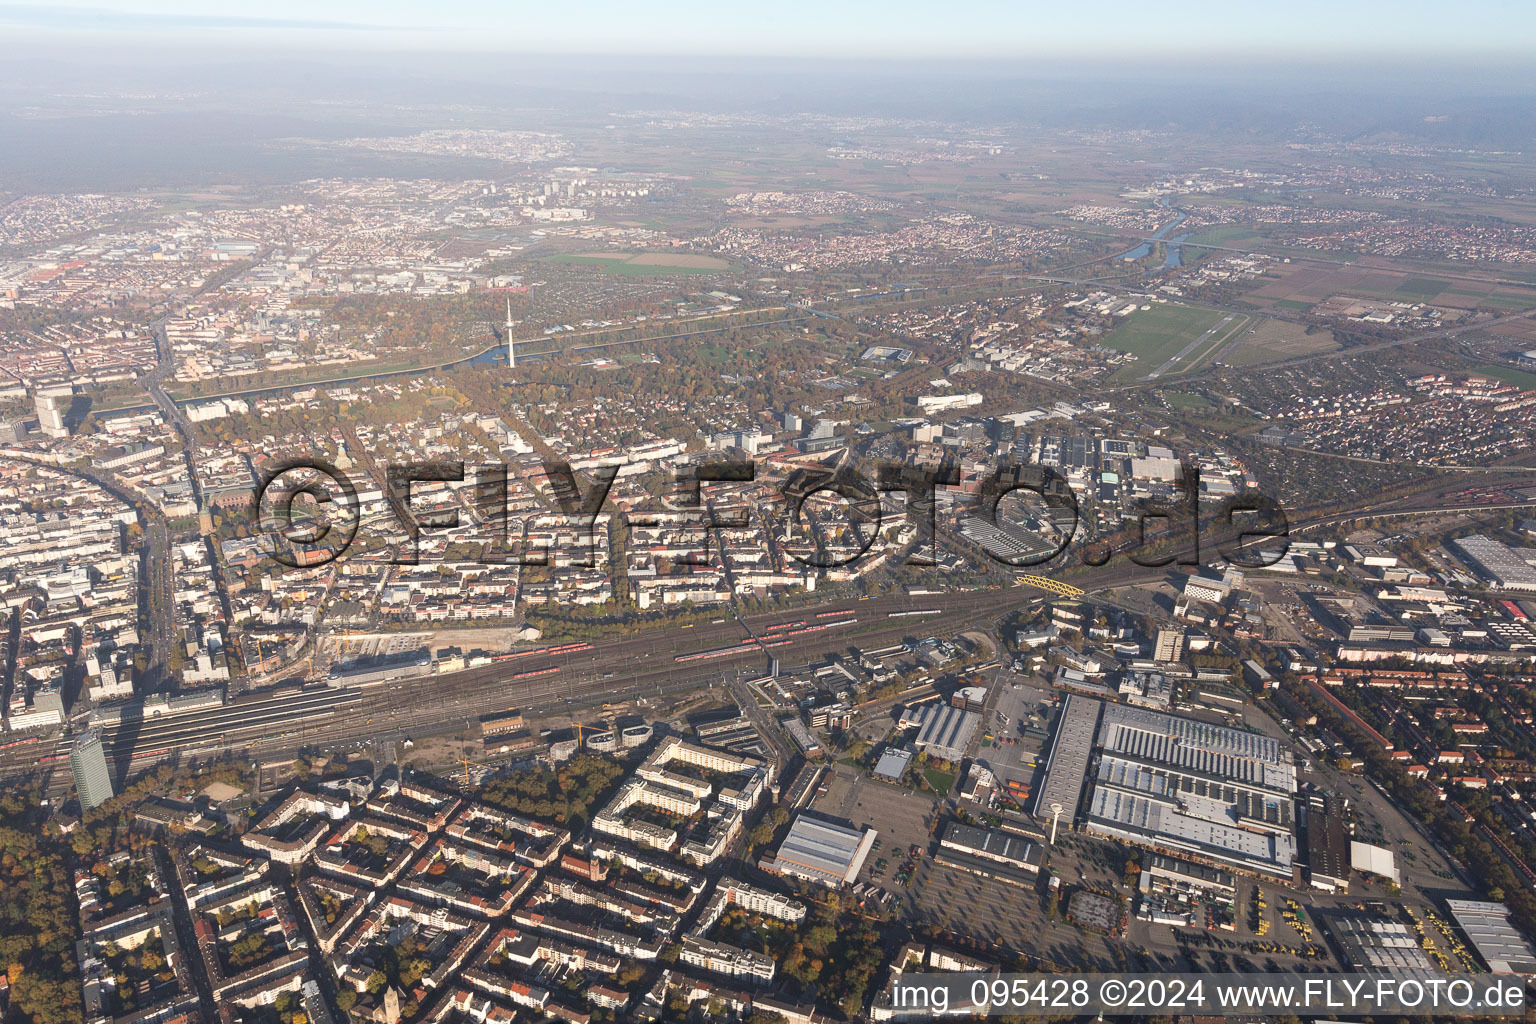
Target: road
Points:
(645, 666)
(155, 565)
(165, 629)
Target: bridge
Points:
(1046, 583)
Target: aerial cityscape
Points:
(700, 520)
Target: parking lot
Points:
(1009, 753)
(950, 898)
(1008, 916)
(903, 818)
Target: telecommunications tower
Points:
(511, 343)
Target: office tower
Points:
(88, 761)
(1170, 645)
(52, 404)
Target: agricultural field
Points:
(1421, 289)
(1303, 284)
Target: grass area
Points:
(1508, 301)
(1421, 287)
(1507, 374)
(1223, 235)
(1236, 329)
(625, 265)
(1186, 401)
(942, 782)
(1294, 304)
(1275, 340)
(1153, 335)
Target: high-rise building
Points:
(88, 761)
(1170, 645)
(52, 404)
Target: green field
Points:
(941, 782)
(1294, 304)
(623, 265)
(1502, 301)
(1186, 401)
(1509, 375)
(1223, 235)
(1276, 340)
(1154, 335)
(1421, 287)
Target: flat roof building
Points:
(1180, 784)
(893, 763)
(1499, 565)
(1500, 946)
(1328, 845)
(802, 736)
(1378, 945)
(1066, 768)
(822, 851)
(945, 731)
(1373, 860)
(1189, 875)
(992, 844)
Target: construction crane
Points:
(466, 762)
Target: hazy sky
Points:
(1193, 29)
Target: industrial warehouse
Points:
(1174, 784)
(821, 851)
(943, 731)
(992, 853)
